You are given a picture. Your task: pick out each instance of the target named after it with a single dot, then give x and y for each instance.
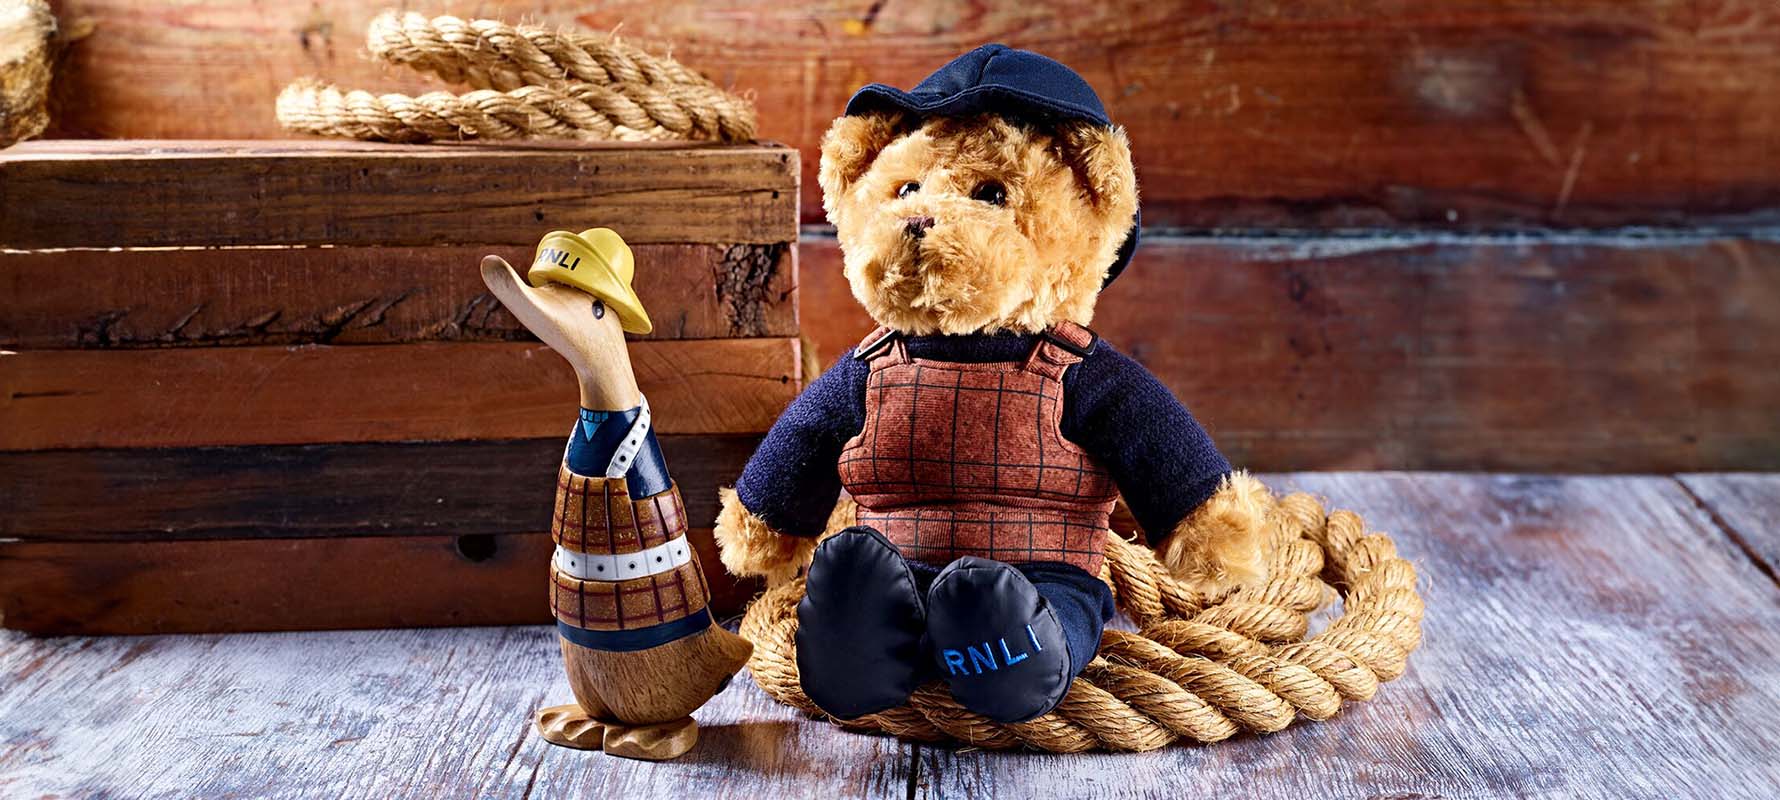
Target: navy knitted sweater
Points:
(1164, 463)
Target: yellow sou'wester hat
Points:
(596, 261)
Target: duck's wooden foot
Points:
(658, 742)
(570, 726)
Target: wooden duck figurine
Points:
(641, 649)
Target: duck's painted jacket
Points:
(624, 576)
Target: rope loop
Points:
(1198, 669)
(526, 82)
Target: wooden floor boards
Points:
(1586, 637)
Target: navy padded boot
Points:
(859, 626)
(998, 643)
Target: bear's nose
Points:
(917, 226)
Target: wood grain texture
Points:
(1547, 353)
(1265, 114)
(1585, 638)
(227, 194)
(197, 539)
(1747, 507)
(298, 395)
(228, 585)
(274, 584)
(315, 491)
(358, 295)
(375, 714)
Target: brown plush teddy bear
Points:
(983, 430)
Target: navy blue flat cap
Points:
(997, 79)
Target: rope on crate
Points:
(526, 81)
(1197, 671)
(28, 44)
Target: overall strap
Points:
(1059, 347)
(627, 451)
(884, 345)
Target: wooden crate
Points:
(254, 386)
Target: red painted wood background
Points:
(1530, 235)
(1290, 113)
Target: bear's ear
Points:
(850, 146)
(1100, 156)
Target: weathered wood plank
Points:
(299, 395)
(1585, 638)
(1748, 507)
(1591, 353)
(304, 491)
(359, 295)
(274, 584)
(196, 539)
(200, 194)
(1328, 112)
(376, 714)
(285, 584)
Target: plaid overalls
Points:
(961, 459)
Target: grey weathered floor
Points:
(1586, 637)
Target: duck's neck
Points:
(608, 383)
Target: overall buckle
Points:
(1080, 350)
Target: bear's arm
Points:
(1205, 520)
(768, 524)
(1165, 464)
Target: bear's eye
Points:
(907, 188)
(991, 192)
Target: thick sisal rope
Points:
(1196, 671)
(28, 39)
(526, 81)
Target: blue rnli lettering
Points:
(980, 657)
(973, 661)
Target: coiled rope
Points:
(527, 82)
(29, 40)
(1196, 671)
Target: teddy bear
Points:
(984, 432)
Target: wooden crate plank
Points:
(199, 194)
(441, 713)
(302, 491)
(1318, 113)
(227, 585)
(273, 584)
(1747, 506)
(299, 395)
(1580, 353)
(359, 295)
(1585, 638)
